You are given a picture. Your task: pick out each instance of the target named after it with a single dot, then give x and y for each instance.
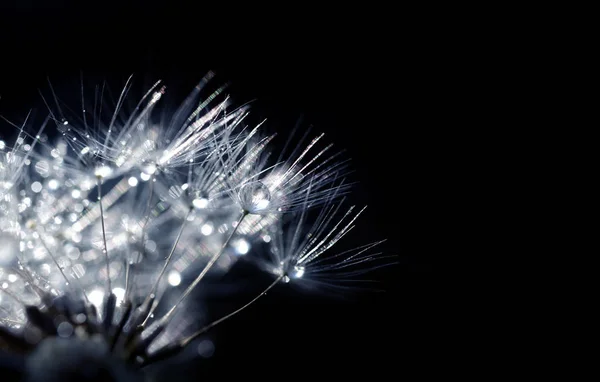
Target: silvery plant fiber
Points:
(110, 221)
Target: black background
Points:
(348, 72)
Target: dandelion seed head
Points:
(120, 211)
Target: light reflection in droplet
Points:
(120, 294)
(96, 297)
(36, 187)
(241, 246)
(200, 203)
(174, 278)
(207, 229)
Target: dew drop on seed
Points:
(254, 197)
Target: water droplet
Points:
(298, 271)
(36, 187)
(206, 348)
(64, 329)
(254, 197)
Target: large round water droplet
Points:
(255, 197)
